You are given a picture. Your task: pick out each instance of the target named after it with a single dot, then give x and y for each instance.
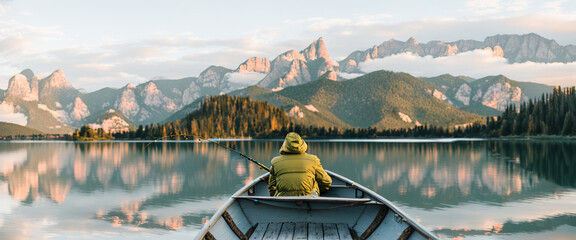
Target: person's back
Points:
(295, 172)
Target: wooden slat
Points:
(287, 231)
(330, 231)
(258, 234)
(343, 231)
(273, 231)
(233, 226)
(301, 231)
(251, 231)
(406, 233)
(377, 220)
(209, 236)
(315, 231)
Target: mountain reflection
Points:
(551, 160)
(444, 173)
(169, 185)
(171, 173)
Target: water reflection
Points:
(445, 174)
(551, 160)
(459, 189)
(138, 181)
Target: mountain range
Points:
(52, 105)
(515, 48)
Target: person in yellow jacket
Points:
(295, 172)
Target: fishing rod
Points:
(262, 166)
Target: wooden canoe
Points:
(347, 211)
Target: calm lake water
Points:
(468, 189)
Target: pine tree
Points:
(569, 125)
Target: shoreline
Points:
(395, 140)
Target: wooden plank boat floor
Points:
(290, 230)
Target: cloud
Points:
(113, 80)
(345, 36)
(7, 114)
(13, 45)
(249, 78)
(483, 7)
(115, 65)
(46, 48)
(350, 75)
(476, 64)
(94, 66)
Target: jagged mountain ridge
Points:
(293, 68)
(515, 48)
(150, 102)
(52, 105)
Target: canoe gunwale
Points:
(417, 227)
(365, 191)
(218, 214)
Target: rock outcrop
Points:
(255, 64)
(53, 84)
(79, 110)
(21, 87)
(494, 92)
(127, 104)
(50, 103)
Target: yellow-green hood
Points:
(293, 144)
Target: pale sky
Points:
(111, 43)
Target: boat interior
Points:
(346, 211)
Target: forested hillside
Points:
(552, 114)
(219, 116)
(11, 129)
(227, 116)
(381, 99)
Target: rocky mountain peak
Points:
(293, 68)
(530, 47)
(290, 56)
(255, 64)
(23, 86)
(412, 41)
(28, 73)
(316, 50)
(212, 76)
(150, 88)
(56, 81)
(18, 87)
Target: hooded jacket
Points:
(295, 172)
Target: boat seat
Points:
(305, 199)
